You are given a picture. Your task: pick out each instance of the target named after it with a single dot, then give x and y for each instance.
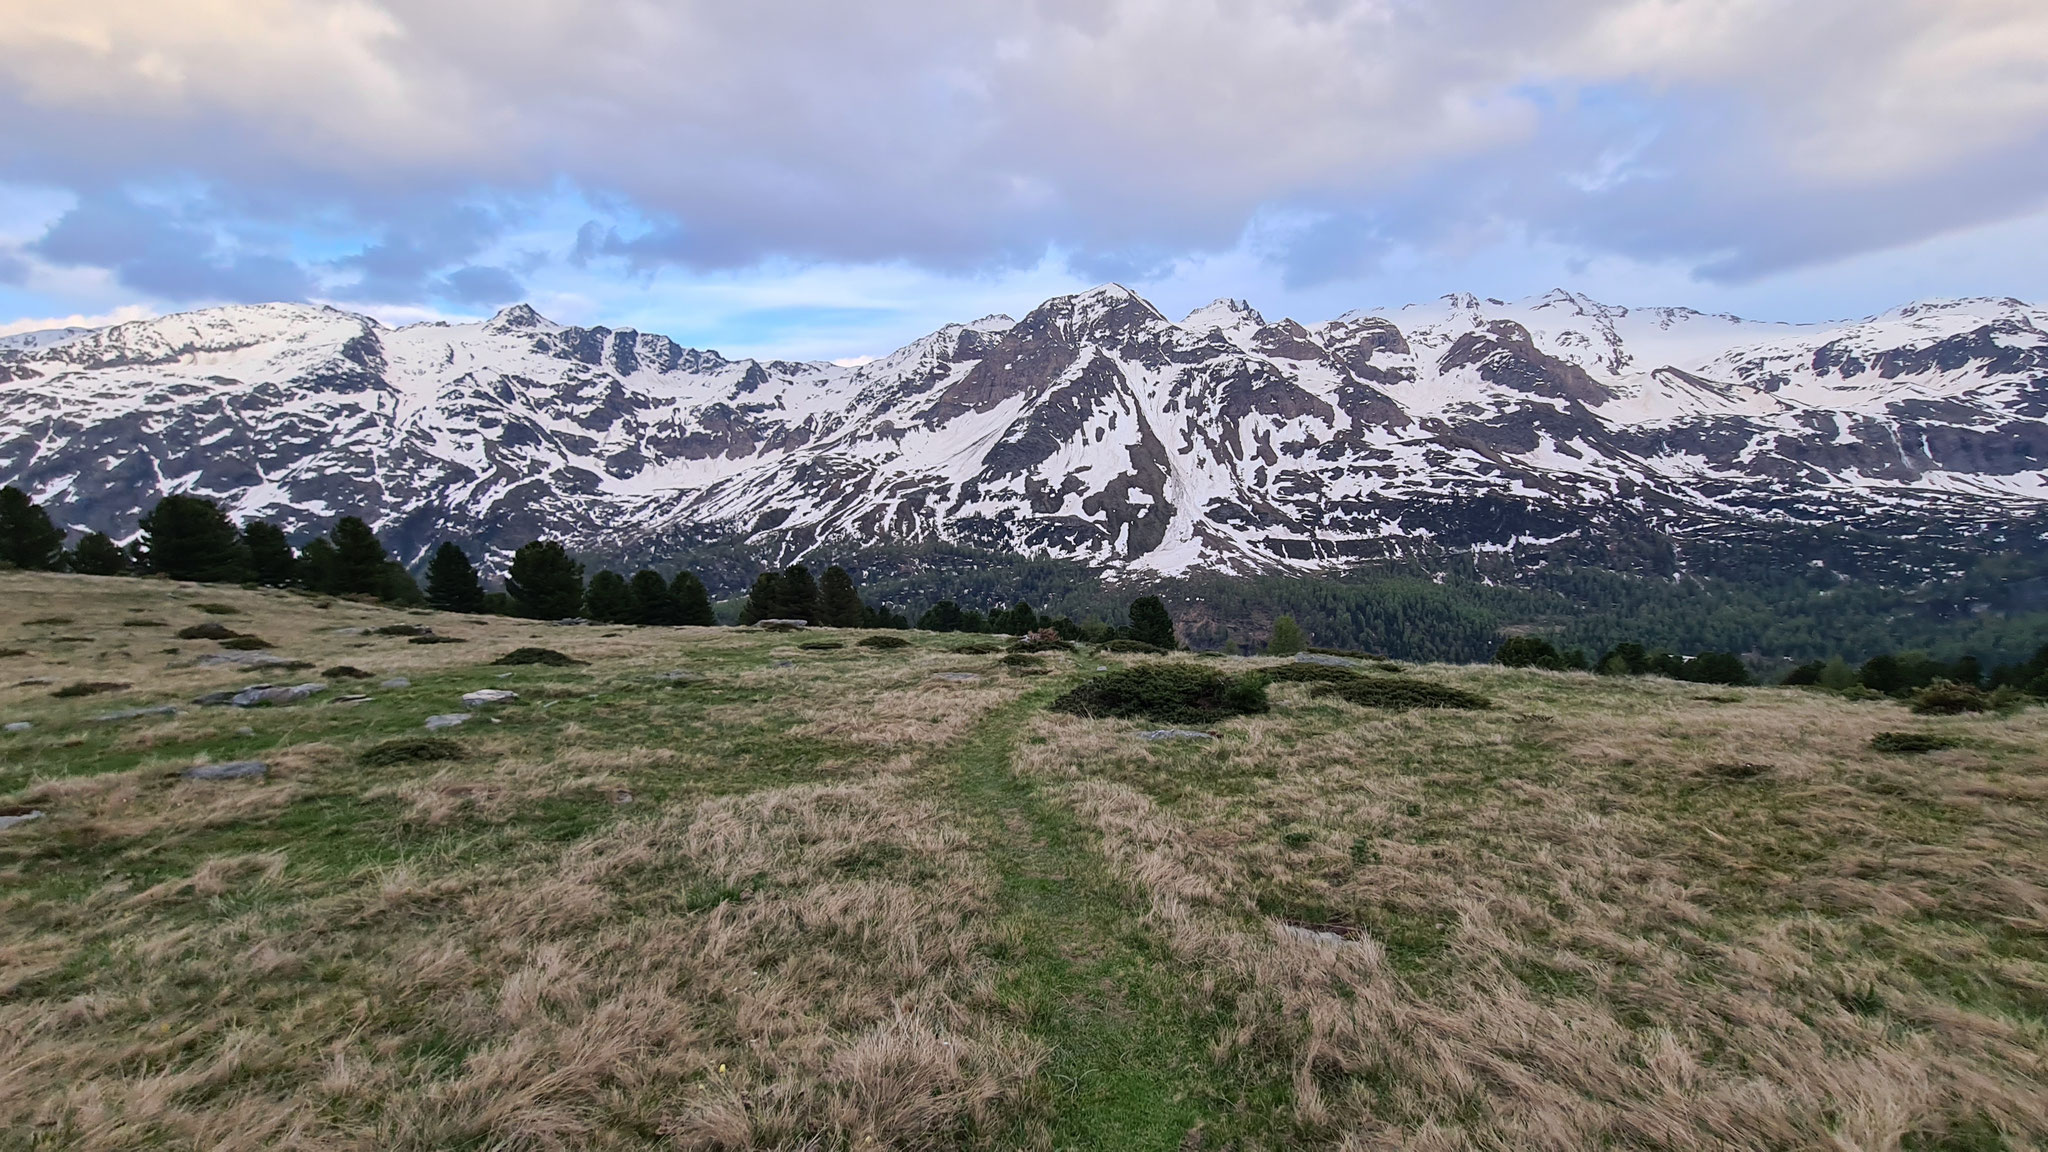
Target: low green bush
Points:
(1132, 646)
(246, 643)
(218, 609)
(546, 656)
(410, 750)
(975, 649)
(1910, 742)
(883, 641)
(207, 631)
(1169, 693)
(87, 688)
(344, 672)
(1311, 674)
(1401, 694)
(1948, 698)
(821, 645)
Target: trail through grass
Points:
(1131, 1065)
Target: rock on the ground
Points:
(446, 720)
(19, 726)
(782, 625)
(485, 697)
(245, 660)
(1176, 734)
(232, 770)
(255, 697)
(396, 682)
(138, 713)
(13, 818)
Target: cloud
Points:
(1736, 137)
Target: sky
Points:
(831, 180)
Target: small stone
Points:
(19, 726)
(1175, 734)
(782, 625)
(357, 698)
(138, 713)
(232, 770)
(571, 622)
(396, 682)
(484, 697)
(12, 816)
(783, 664)
(248, 660)
(957, 677)
(677, 676)
(255, 697)
(245, 731)
(446, 720)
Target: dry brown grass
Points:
(1569, 924)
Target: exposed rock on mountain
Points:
(1093, 428)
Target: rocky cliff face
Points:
(1093, 428)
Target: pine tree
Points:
(799, 594)
(651, 602)
(270, 555)
(945, 616)
(838, 600)
(395, 585)
(1150, 623)
(609, 601)
(1287, 638)
(359, 558)
(97, 555)
(764, 599)
(452, 585)
(27, 538)
(318, 567)
(692, 601)
(188, 538)
(544, 583)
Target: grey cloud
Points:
(164, 251)
(480, 285)
(963, 135)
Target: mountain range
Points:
(1093, 429)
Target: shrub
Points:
(207, 631)
(1287, 638)
(1529, 652)
(1132, 646)
(1040, 640)
(1311, 674)
(144, 624)
(1401, 694)
(87, 688)
(401, 630)
(547, 656)
(821, 645)
(883, 642)
(246, 643)
(976, 649)
(1948, 698)
(51, 620)
(1151, 624)
(218, 609)
(1347, 653)
(345, 672)
(1169, 693)
(1910, 742)
(410, 750)
(1020, 660)
(430, 638)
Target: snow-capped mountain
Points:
(1093, 428)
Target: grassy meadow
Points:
(712, 889)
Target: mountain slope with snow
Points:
(1092, 428)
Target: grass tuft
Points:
(1911, 742)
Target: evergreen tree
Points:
(692, 601)
(452, 585)
(1530, 652)
(609, 601)
(318, 567)
(1150, 624)
(882, 617)
(188, 538)
(650, 601)
(1286, 639)
(27, 538)
(838, 600)
(1015, 620)
(544, 583)
(764, 599)
(359, 559)
(945, 616)
(973, 621)
(395, 585)
(270, 555)
(799, 594)
(1717, 668)
(97, 555)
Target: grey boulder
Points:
(232, 770)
